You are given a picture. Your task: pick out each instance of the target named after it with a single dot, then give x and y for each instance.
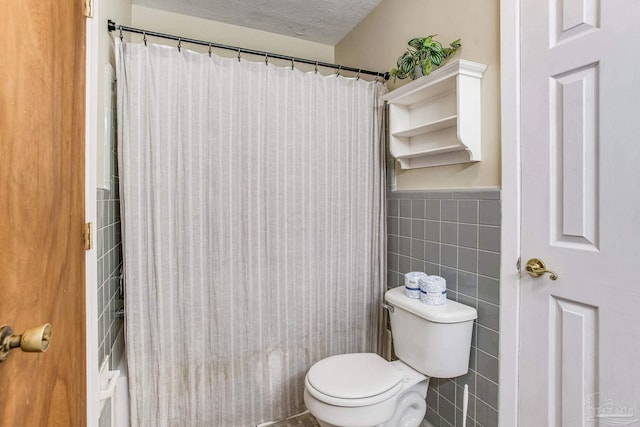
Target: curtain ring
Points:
(338, 72)
(144, 37)
(121, 37)
(316, 71)
(292, 63)
(209, 50)
(238, 54)
(358, 75)
(179, 44)
(266, 58)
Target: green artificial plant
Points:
(423, 54)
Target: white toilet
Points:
(364, 390)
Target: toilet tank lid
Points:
(451, 312)
(353, 376)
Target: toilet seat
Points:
(350, 380)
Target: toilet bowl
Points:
(364, 390)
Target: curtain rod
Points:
(112, 26)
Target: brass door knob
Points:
(33, 340)
(536, 268)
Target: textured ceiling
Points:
(322, 21)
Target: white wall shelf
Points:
(444, 123)
(435, 120)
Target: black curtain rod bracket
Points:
(112, 26)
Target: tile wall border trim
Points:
(489, 193)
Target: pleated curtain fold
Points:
(253, 231)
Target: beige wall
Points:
(381, 37)
(374, 44)
(203, 29)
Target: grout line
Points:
(488, 404)
(479, 374)
(487, 302)
(489, 329)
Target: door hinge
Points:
(88, 8)
(88, 236)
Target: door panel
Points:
(580, 92)
(42, 259)
(573, 152)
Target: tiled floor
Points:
(304, 420)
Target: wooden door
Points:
(579, 356)
(42, 259)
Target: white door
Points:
(579, 351)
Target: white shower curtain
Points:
(253, 229)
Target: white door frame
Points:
(91, 260)
(511, 216)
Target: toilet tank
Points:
(434, 340)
